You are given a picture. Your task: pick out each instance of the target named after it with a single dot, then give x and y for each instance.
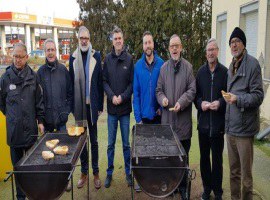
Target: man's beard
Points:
(148, 54)
(84, 48)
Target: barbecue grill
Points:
(47, 179)
(158, 159)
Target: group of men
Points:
(163, 93)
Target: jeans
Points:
(60, 128)
(94, 147)
(112, 132)
(211, 173)
(16, 154)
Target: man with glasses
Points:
(175, 92)
(117, 81)
(57, 89)
(86, 77)
(21, 102)
(242, 120)
(210, 81)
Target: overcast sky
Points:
(68, 9)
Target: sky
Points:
(67, 9)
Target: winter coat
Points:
(21, 102)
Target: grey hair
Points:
(212, 40)
(22, 45)
(81, 29)
(48, 41)
(174, 36)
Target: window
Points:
(221, 37)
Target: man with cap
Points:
(242, 120)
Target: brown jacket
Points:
(177, 87)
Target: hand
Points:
(205, 105)
(99, 113)
(119, 99)
(41, 128)
(233, 99)
(114, 100)
(158, 112)
(165, 102)
(214, 105)
(177, 107)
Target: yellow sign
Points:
(5, 164)
(24, 17)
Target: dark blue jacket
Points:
(57, 94)
(145, 103)
(96, 91)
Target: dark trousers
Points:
(16, 154)
(186, 145)
(211, 174)
(156, 120)
(94, 147)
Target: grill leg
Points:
(72, 187)
(12, 186)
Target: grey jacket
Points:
(243, 118)
(177, 87)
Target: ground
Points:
(120, 190)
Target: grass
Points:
(264, 146)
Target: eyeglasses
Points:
(174, 46)
(19, 57)
(211, 50)
(235, 41)
(84, 38)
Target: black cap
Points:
(238, 33)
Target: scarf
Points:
(236, 62)
(82, 84)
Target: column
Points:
(55, 37)
(33, 38)
(3, 39)
(27, 35)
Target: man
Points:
(176, 90)
(21, 102)
(210, 81)
(146, 72)
(242, 120)
(57, 89)
(86, 77)
(117, 81)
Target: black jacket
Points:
(21, 102)
(57, 94)
(209, 86)
(117, 80)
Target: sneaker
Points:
(137, 188)
(205, 196)
(129, 180)
(108, 181)
(83, 180)
(68, 188)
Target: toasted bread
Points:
(51, 144)
(226, 95)
(47, 155)
(61, 150)
(75, 130)
(171, 109)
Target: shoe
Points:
(205, 196)
(137, 188)
(97, 182)
(183, 194)
(129, 180)
(83, 180)
(218, 197)
(108, 181)
(68, 188)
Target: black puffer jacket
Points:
(209, 86)
(21, 102)
(117, 80)
(57, 94)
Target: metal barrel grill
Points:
(158, 159)
(47, 179)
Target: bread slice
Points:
(75, 130)
(61, 150)
(47, 155)
(171, 109)
(226, 95)
(51, 144)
